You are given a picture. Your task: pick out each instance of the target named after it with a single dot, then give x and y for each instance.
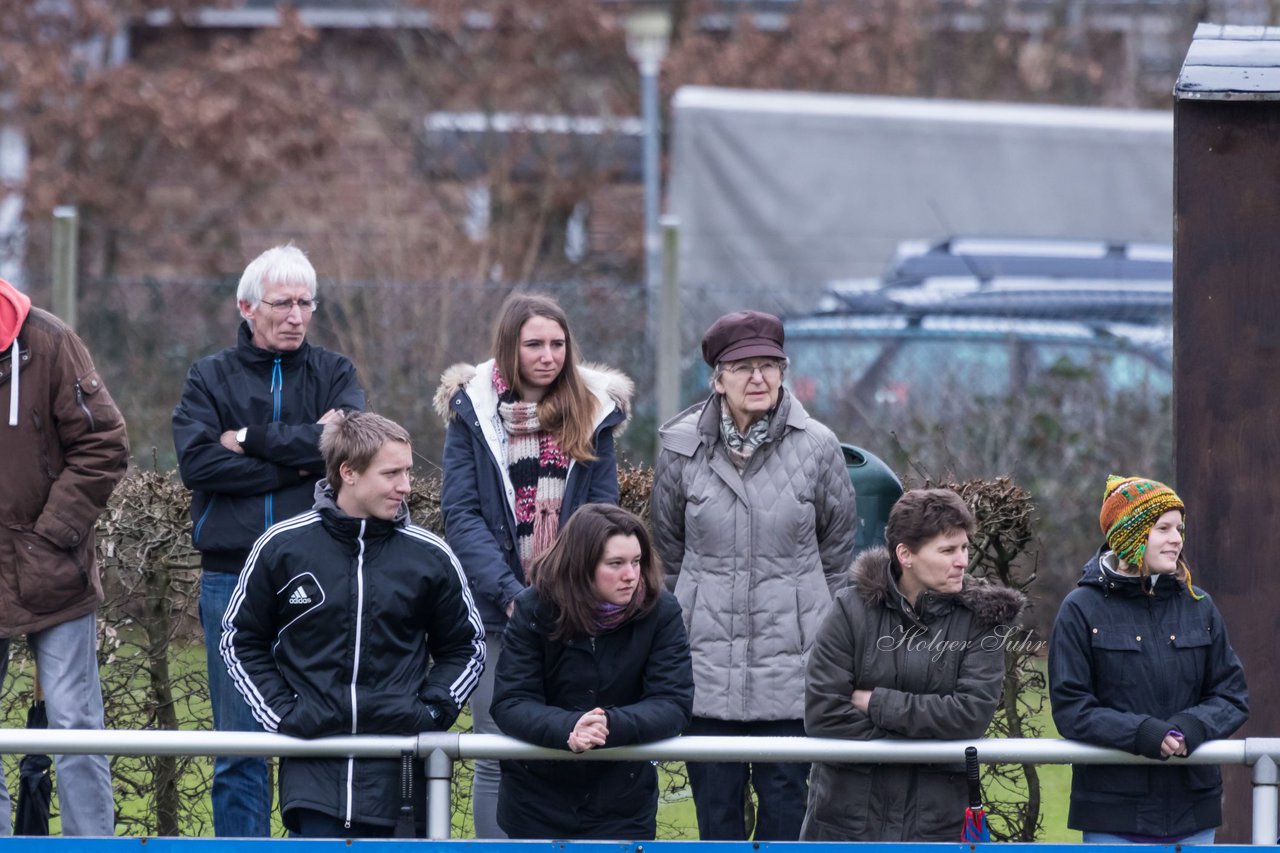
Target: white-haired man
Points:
(247, 431)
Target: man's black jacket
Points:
(279, 396)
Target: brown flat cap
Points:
(743, 334)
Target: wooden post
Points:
(1227, 351)
(66, 237)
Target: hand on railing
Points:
(592, 729)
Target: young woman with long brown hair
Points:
(529, 439)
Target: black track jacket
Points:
(344, 626)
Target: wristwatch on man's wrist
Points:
(241, 435)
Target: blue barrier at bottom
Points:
(300, 845)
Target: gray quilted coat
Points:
(754, 556)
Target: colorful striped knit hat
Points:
(1130, 508)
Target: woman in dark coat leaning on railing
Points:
(914, 648)
(595, 656)
(1140, 661)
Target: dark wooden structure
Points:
(1226, 300)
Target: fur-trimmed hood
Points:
(991, 604)
(607, 385)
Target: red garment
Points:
(14, 306)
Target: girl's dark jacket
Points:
(935, 670)
(477, 499)
(639, 674)
(1125, 667)
(343, 626)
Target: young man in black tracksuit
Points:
(350, 620)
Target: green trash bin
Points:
(877, 489)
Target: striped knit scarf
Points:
(538, 470)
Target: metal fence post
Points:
(1265, 779)
(439, 794)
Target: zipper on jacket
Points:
(355, 666)
(195, 536)
(93, 427)
(276, 389)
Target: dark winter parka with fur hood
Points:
(935, 670)
(477, 498)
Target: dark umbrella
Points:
(35, 788)
(975, 817)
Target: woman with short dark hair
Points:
(921, 644)
(595, 656)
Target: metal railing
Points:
(439, 750)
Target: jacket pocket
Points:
(1116, 639)
(687, 598)
(839, 802)
(1109, 783)
(96, 406)
(1203, 778)
(629, 789)
(303, 721)
(1191, 651)
(813, 601)
(941, 796)
(1116, 655)
(49, 578)
(1192, 637)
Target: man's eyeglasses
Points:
(745, 370)
(285, 306)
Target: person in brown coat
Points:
(921, 644)
(65, 449)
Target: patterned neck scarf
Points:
(741, 446)
(538, 469)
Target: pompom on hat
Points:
(1130, 508)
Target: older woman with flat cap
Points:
(754, 519)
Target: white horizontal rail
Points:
(440, 749)
(803, 749)
(687, 748)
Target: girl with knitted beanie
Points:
(1139, 660)
(529, 439)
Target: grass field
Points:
(676, 818)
